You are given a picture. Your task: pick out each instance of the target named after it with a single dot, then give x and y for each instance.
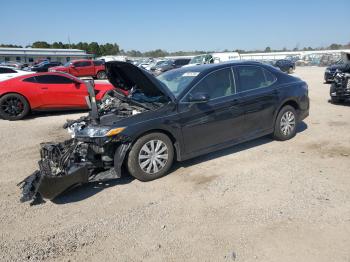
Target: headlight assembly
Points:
(92, 131)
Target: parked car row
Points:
(9, 72)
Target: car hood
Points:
(335, 67)
(131, 76)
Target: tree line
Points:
(113, 49)
(91, 48)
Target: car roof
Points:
(46, 73)
(205, 67)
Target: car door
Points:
(81, 68)
(216, 122)
(258, 96)
(58, 91)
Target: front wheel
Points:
(13, 107)
(285, 124)
(336, 100)
(101, 75)
(150, 157)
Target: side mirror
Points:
(199, 98)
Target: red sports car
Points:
(44, 92)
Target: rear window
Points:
(182, 61)
(98, 62)
(253, 77)
(30, 79)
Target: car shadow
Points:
(232, 150)
(40, 114)
(90, 189)
(345, 103)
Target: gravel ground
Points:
(260, 201)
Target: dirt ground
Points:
(260, 201)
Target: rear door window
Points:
(82, 64)
(98, 62)
(253, 77)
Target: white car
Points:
(9, 72)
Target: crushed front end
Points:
(340, 89)
(95, 152)
(72, 163)
(98, 146)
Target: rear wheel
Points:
(286, 124)
(150, 157)
(101, 75)
(13, 107)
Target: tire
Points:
(290, 70)
(137, 164)
(101, 75)
(13, 107)
(336, 100)
(286, 124)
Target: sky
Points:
(178, 25)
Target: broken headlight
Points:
(97, 131)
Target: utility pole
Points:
(68, 41)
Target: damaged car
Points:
(179, 115)
(340, 88)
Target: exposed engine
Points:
(340, 89)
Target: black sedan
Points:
(169, 65)
(181, 114)
(44, 66)
(331, 70)
(285, 65)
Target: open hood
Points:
(125, 76)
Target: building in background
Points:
(32, 55)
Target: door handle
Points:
(45, 88)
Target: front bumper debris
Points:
(69, 164)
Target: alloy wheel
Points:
(12, 106)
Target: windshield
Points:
(177, 80)
(67, 64)
(197, 59)
(339, 62)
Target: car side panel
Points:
(29, 90)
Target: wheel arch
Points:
(289, 102)
(99, 71)
(8, 93)
(169, 134)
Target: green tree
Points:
(41, 44)
(268, 49)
